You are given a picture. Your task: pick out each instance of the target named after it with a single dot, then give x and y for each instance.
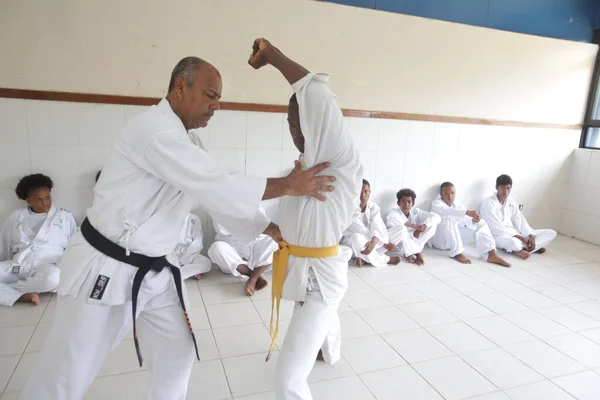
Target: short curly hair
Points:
(406, 193)
(32, 182)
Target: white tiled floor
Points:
(444, 331)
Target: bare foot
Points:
(30, 298)
(360, 262)
(261, 283)
(250, 286)
(395, 260)
(462, 259)
(320, 356)
(541, 251)
(198, 277)
(411, 259)
(494, 258)
(522, 254)
(420, 260)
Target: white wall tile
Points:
(228, 130)
(13, 121)
(14, 164)
(580, 166)
(416, 169)
(52, 122)
(203, 135)
(100, 124)
(390, 169)
(263, 163)
(70, 142)
(369, 163)
(74, 199)
(231, 160)
(132, 111)
(443, 168)
(365, 133)
(265, 130)
(287, 160)
(9, 202)
(91, 160)
(392, 135)
(445, 138)
(419, 136)
(61, 163)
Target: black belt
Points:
(144, 264)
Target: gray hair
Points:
(186, 69)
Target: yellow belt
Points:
(280, 260)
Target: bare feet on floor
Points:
(541, 251)
(462, 259)
(494, 258)
(320, 356)
(255, 283)
(198, 277)
(419, 260)
(395, 260)
(30, 298)
(411, 259)
(522, 254)
(360, 262)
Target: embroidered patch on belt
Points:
(16, 269)
(99, 287)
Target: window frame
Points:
(588, 121)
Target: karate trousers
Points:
(315, 325)
(41, 279)
(451, 235)
(543, 237)
(199, 265)
(83, 334)
(376, 258)
(228, 257)
(408, 244)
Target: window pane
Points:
(596, 110)
(592, 138)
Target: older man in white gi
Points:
(32, 241)
(367, 235)
(317, 267)
(116, 266)
(240, 258)
(460, 226)
(509, 226)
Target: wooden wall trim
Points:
(147, 101)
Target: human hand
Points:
(308, 183)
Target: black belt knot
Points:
(144, 264)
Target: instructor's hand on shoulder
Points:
(262, 51)
(308, 183)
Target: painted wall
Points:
(562, 19)
(377, 61)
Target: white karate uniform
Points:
(228, 252)
(457, 229)
(153, 178)
(31, 245)
(506, 221)
(364, 227)
(189, 247)
(403, 237)
(317, 285)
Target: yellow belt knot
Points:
(280, 260)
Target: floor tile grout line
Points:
(215, 341)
